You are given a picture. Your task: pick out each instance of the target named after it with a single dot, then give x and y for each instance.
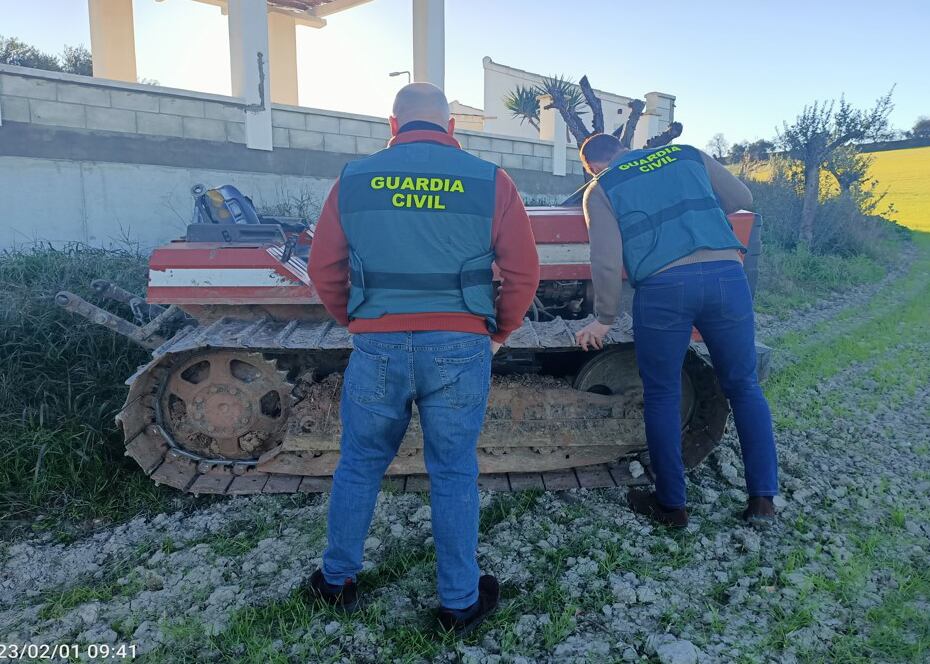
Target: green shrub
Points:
(845, 224)
(851, 244)
(62, 383)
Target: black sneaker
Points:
(464, 621)
(760, 511)
(344, 597)
(645, 503)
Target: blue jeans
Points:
(715, 298)
(448, 376)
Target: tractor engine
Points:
(567, 299)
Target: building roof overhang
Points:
(311, 13)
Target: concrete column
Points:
(248, 57)
(663, 105)
(282, 39)
(112, 39)
(429, 42)
(552, 128)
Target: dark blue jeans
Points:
(448, 376)
(715, 298)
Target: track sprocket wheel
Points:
(225, 404)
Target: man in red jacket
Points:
(402, 255)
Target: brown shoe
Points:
(645, 503)
(760, 511)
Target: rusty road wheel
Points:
(198, 422)
(225, 404)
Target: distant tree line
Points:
(921, 128)
(72, 59)
(761, 149)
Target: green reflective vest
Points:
(417, 218)
(666, 208)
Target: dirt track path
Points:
(842, 577)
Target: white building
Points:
(500, 80)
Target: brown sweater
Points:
(607, 245)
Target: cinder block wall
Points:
(79, 102)
(99, 161)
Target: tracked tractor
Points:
(242, 392)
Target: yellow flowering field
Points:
(905, 174)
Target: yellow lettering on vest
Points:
(407, 184)
(423, 183)
(436, 184)
(457, 186)
(397, 200)
(392, 182)
(377, 182)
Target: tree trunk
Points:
(637, 106)
(572, 120)
(594, 103)
(809, 208)
(674, 131)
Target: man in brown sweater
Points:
(661, 214)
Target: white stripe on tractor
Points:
(564, 254)
(220, 277)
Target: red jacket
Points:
(512, 241)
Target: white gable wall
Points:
(500, 80)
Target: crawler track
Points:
(557, 438)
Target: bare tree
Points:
(674, 131)
(568, 100)
(818, 132)
(625, 131)
(572, 101)
(718, 147)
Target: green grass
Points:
(791, 279)
(871, 335)
(60, 603)
(897, 630)
(61, 385)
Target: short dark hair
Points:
(599, 148)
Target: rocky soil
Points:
(842, 576)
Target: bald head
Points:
(420, 101)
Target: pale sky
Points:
(738, 67)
